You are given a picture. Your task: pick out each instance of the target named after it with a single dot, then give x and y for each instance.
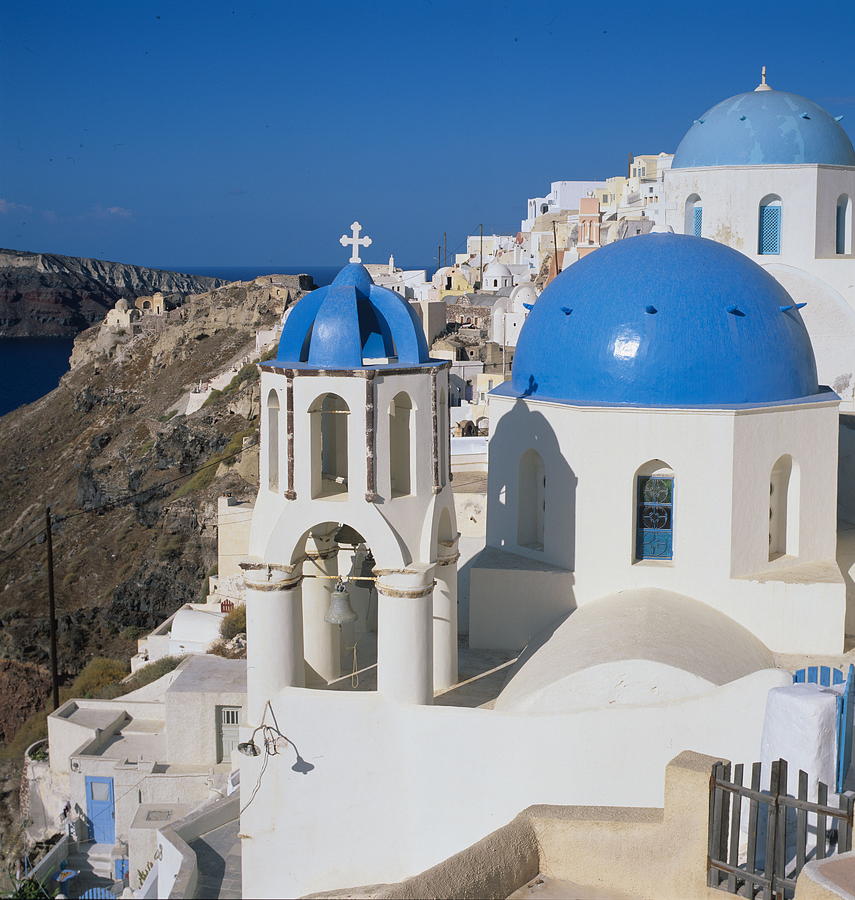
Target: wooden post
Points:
(481, 258)
(54, 668)
(555, 246)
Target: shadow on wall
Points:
(546, 528)
(531, 513)
(846, 514)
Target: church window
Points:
(495, 282)
(531, 501)
(769, 237)
(443, 427)
(329, 417)
(654, 534)
(400, 444)
(843, 225)
(273, 441)
(694, 216)
(783, 508)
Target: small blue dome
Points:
(351, 321)
(764, 128)
(664, 320)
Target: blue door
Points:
(100, 809)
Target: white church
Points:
(772, 174)
(661, 521)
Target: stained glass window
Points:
(770, 230)
(655, 531)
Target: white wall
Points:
(402, 788)
(722, 460)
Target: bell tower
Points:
(354, 440)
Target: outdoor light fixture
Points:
(249, 748)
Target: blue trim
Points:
(101, 813)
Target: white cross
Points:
(355, 241)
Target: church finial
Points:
(355, 242)
(763, 86)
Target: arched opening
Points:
(531, 501)
(495, 282)
(329, 416)
(769, 225)
(544, 208)
(273, 441)
(843, 225)
(654, 511)
(400, 444)
(784, 508)
(146, 304)
(442, 429)
(694, 216)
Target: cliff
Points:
(108, 434)
(45, 295)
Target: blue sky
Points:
(207, 133)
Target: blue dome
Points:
(764, 128)
(351, 321)
(664, 320)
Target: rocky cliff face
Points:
(45, 295)
(106, 436)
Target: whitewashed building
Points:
(772, 174)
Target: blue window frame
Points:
(655, 517)
(769, 240)
(697, 220)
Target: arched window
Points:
(495, 282)
(654, 518)
(442, 428)
(273, 441)
(400, 444)
(531, 501)
(329, 416)
(769, 225)
(784, 508)
(843, 225)
(694, 216)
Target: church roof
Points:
(664, 320)
(636, 647)
(350, 322)
(764, 127)
(494, 267)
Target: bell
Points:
(340, 611)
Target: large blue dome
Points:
(764, 128)
(664, 320)
(352, 323)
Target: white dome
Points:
(122, 304)
(524, 293)
(195, 626)
(496, 269)
(634, 648)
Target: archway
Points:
(273, 441)
(784, 490)
(400, 444)
(531, 501)
(329, 416)
(694, 216)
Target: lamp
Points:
(248, 748)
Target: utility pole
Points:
(439, 256)
(555, 246)
(54, 674)
(445, 248)
(481, 257)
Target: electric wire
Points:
(111, 505)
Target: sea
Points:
(32, 367)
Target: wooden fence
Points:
(783, 832)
